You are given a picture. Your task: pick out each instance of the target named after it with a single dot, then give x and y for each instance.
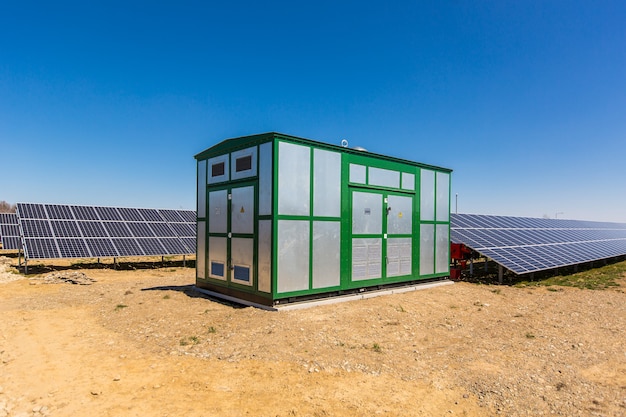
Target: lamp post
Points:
(556, 215)
(456, 207)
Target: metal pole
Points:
(500, 273)
(471, 267)
(456, 208)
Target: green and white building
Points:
(282, 219)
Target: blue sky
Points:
(105, 102)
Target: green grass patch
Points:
(120, 306)
(191, 340)
(594, 279)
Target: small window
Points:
(241, 273)
(217, 170)
(217, 269)
(244, 163)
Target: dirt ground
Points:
(145, 343)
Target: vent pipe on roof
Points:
(344, 144)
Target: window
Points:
(241, 273)
(243, 164)
(217, 269)
(218, 169)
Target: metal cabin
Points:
(282, 219)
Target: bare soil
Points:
(105, 342)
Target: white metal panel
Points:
(383, 177)
(265, 256)
(367, 213)
(218, 211)
(294, 173)
(201, 192)
(399, 215)
(242, 210)
(200, 250)
(326, 254)
(399, 256)
(326, 183)
(293, 255)
(366, 259)
(358, 174)
(427, 195)
(408, 181)
(427, 249)
(443, 197)
(442, 254)
(217, 257)
(242, 257)
(265, 179)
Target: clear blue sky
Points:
(106, 102)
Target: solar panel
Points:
(189, 216)
(73, 248)
(175, 246)
(127, 247)
(190, 243)
(140, 229)
(524, 245)
(151, 246)
(36, 228)
(31, 211)
(108, 213)
(163, 229)
(56, 211)
(117, 229)
(151, 215)
(10, 231)
(92, 229)
(64, 228)
(102, 247)
(35, 248)
(85, 213)
(172, 216)
(70, 231)
(130, 214)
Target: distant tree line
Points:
(7, 208)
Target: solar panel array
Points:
(525, 245)
(10, 231)
(69, 231)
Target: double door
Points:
(230, 220)
(382, 229)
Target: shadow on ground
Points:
(42, 268)
(191, 292)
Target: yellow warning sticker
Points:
(400, 215)
(242, 210)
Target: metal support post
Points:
(500, 273)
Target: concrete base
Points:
(330, 300)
